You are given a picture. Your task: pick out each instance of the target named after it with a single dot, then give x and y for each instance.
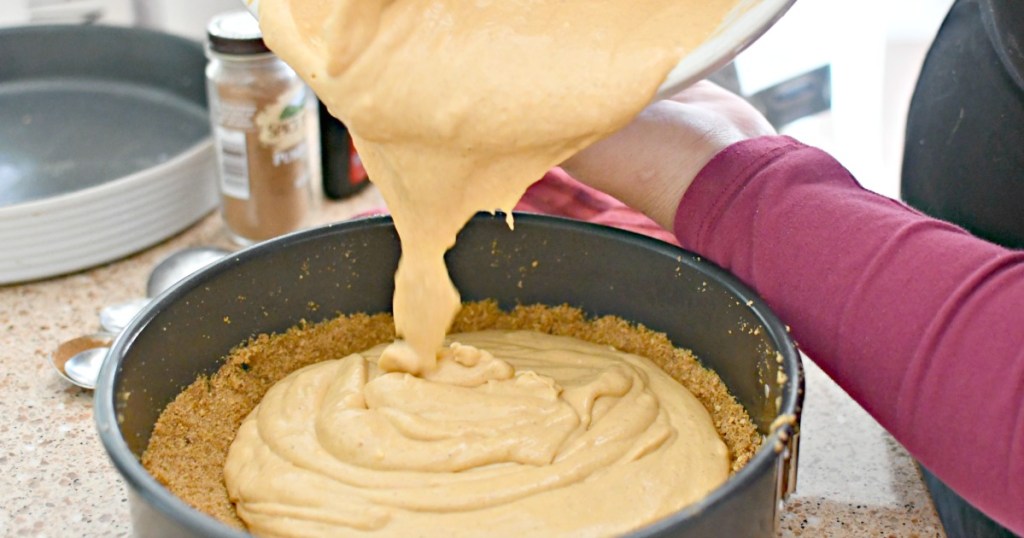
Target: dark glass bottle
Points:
(343, 173)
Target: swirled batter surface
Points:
(514, 433)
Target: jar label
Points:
(234, 162)
(281, 123)
(261, 134)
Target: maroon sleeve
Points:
(917, 320)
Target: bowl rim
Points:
(143, 484)
(748, 21)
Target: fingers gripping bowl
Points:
(349, 268)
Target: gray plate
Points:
(84, 105)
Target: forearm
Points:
(650, 163)
(917, 320)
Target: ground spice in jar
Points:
(260, 112)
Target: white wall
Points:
(875, 48)
(184, 17)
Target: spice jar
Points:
(260, 113)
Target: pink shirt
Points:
(920, 322)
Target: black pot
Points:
(349, 268)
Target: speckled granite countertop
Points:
(56, 480)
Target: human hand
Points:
(651, 162)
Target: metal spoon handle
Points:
(115, 318)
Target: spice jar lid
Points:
(236, 32)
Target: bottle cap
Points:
(236, 32)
